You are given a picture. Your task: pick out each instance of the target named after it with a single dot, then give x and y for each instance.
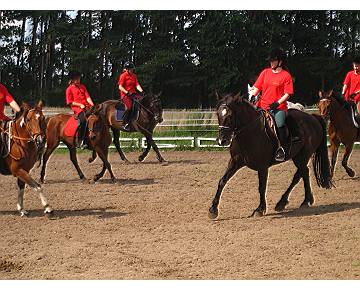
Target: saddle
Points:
(292, 131)
(120, 109)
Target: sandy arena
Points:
(153, 224)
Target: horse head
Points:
(324, 103)
(95, 122)
(152, 102)
(32, 120)
(229, 108)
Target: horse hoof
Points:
(280, 206)
(24, 213)
(91, 160)
(113, 180)
(257, 213)
(141, 159)
(48, 210)
(351, 173)
(213, 214)
(305, 204)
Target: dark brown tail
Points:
(320, 159)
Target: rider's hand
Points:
(252, 99)
(82, 106)
(142, 93)
(274, 106)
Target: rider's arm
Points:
(344, 89)
(15, 106)
(88, 98)
(139, 88)
(70, 99)
(121, 88)
(254, 91)
(284, 98)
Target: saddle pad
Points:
(119, 114)
(71, 127)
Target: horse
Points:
(24, 138)
(149, 115)
(99, 141)
(341, 127)
(244, 128)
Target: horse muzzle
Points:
(223, 141)
(159, 119)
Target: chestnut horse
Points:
(25, 138)
(243, 126)
(341, 127)
(99, 141)
(150, 114)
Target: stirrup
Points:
(126, 127)
(280, 155)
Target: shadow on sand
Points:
(102, 213)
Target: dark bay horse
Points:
(99, 141)
(26, 137)
(341, 128)
(242, 125)
(150, 114)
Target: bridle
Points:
(237, 131)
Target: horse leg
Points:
(261, 209)
(154, 146)
(334, 150)
(348, 150)
(25, 177)
(309, 197)
(233, 167)
(116, 136)
(103, 154)
(73, 159)
(93, 156)
(146, 151)
(20, 204)
(280, 206)
(51, 146)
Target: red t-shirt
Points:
(5, 98)
(79, 94)
(352, 82)
(273, 86)
(129, 82)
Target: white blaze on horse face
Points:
(37, 116)
(223, 112)
(22, 122)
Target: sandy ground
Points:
(153, 224)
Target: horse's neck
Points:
(246, 115)
(338, 113)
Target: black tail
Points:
(320, 159)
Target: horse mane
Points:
(234, 99)
(339, 99)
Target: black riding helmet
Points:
(129, 65)
(356, 59)
(277, 54)
(73, 74)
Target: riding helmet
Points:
(129, 65)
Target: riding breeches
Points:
(279, 116)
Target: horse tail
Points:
(320, 159)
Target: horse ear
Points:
(238, 95)
(321, 94)
(217, 95)
(40, 105)
(330, 92)
(26, 106)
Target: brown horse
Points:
(25, 136)
(99, 141)
(341, 128)
(150, 114)
(244, 126)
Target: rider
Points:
(128, 83)
(276, 86)
(6, 98)
(78, 98)
(351, 88)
